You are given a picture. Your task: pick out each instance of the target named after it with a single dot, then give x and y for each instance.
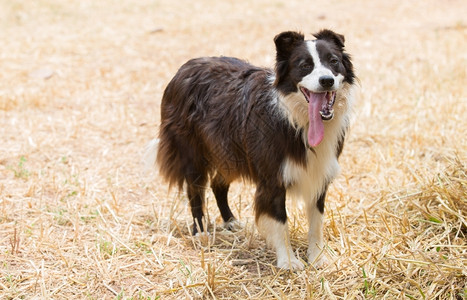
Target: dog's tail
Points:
(150, 154)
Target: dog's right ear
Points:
(285, 42)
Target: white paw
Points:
(320, 263)
(290, 264)
(317, 258)
(202, 234)
(234, 225)
(203, 238)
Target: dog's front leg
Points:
(276, 234)
(271, 220)
(315, 212)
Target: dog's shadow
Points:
(241, 247)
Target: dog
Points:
(283, 129)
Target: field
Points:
(80, 88)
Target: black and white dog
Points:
(283, 129)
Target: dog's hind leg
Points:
(196, 185)
(220, 189)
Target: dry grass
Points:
(80, 86)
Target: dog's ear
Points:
(329, 35)
(285, 42)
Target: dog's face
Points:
(309, 74)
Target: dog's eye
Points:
(306, 66)
(334, 61)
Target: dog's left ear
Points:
(329, 35)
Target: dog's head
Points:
(309, 74)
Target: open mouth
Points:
(325, 100)
(320, 109)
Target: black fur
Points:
(220, 120)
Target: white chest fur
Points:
(308, 182)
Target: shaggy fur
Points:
(223, 118)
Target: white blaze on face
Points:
(320, 98)
(311, 81)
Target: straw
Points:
(80, 90)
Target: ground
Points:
(80, 88)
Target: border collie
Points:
(223, 118)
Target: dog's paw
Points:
(202, 234)
(317, 259)
(290, 264)
(320, 263)
(234, 225)
(203, 238)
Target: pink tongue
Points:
(316, 126)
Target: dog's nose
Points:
(326, 81)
